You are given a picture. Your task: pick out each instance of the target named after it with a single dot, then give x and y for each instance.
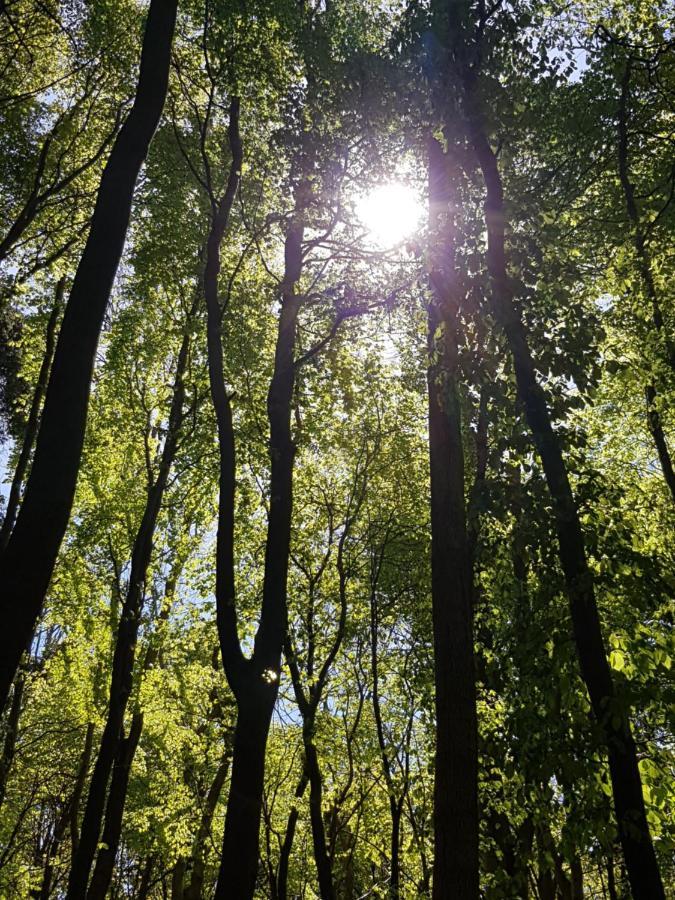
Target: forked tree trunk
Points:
(28, 561)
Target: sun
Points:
(390, 213)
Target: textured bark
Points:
(626, 784)
(28, 561)
(456, 767)
(33, 421)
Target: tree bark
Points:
(121, 680)
(289, 836)
(195, 887)
(626, 783)
(456, 768)
(33, 421)
(112, 830)
(28, 561)
(69, 813)
(11, 731)
(255, 681)
(647, 278)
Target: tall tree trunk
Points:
(647, 278)
(255, 681)
(69, 812)
(28, 561)
(199, 850)
(323, 864)
(289, 836)
(626, 784)
(395, 800)
(33, 421)
(11, 731)
(121, 680)
(112, 829)
(456, 767)
(146, 876)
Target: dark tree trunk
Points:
(323, 864)
(289, 836)
(395, 801)
(69, 813)
(112, 829)
(254, 682)
(196, 885)
(121, 680)
(33, 421)
(626, 784)
(146, 876)
(28, 561)
(645, 270)
(244, 802)
(11, 731)
(456, 768)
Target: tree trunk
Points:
(456, 767)
(28, 561)
(11, 730)
(195, 887)
(33, 421)
(287, 846)
(647, 278)
(254, 682)
(112, 830)
(121, 680)
(244, 804)
(69, 812)
(146, 875)
(626, 784)
(323, 865)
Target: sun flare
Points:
(390, 213)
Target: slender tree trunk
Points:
(146, 876)
(178, 879)
(69, 812)
(254, 682)
(289, 835)
(196, 885)
(321, 857)
(395, 803)
(11, 731)
(112, 830)
(456, 767)
(28, 561)
(121, 680)
(32, 422)
(645, 270)
(626, 783)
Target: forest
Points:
(337, 435)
